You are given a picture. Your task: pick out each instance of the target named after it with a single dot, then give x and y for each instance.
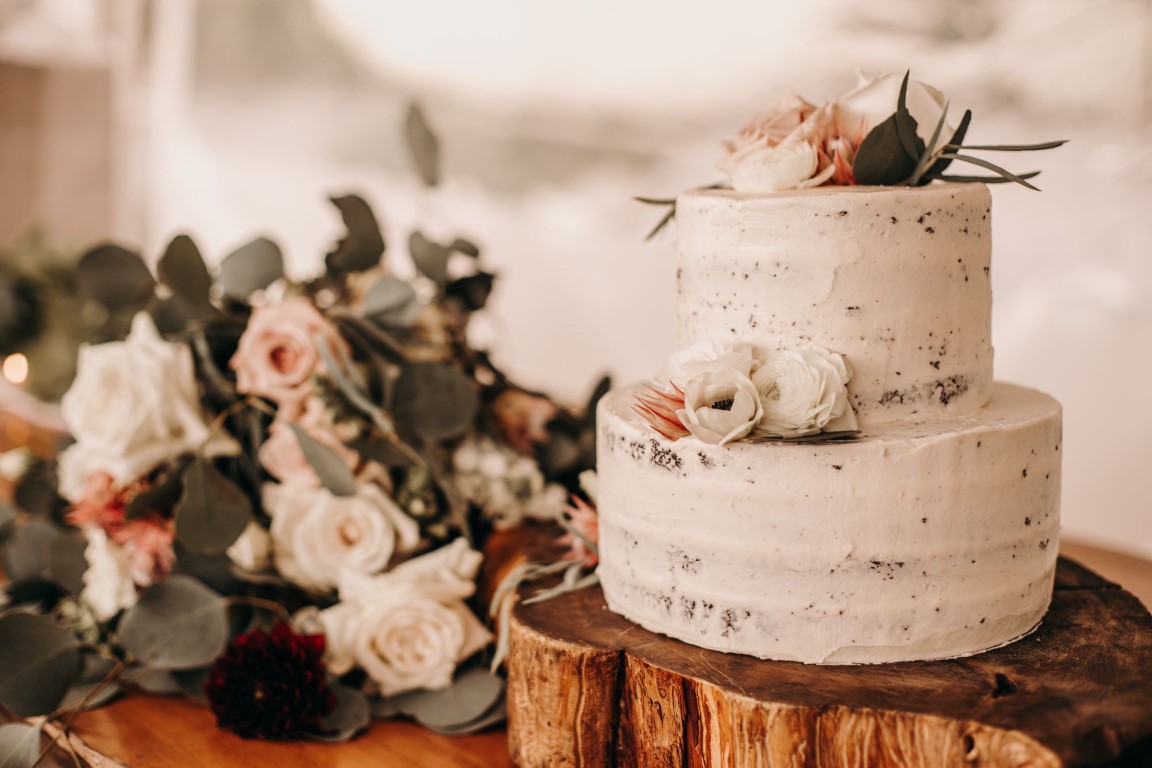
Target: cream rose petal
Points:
(775, 169)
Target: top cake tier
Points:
(896, 279)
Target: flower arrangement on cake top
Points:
(278, 489)
(888, 130)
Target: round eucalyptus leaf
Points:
(192, 681)
(466, 247)
(391, 301)
(332, 470)
(431, 258)
(19, 745)
(435, 401)
(173, 314)
(94, 694)
(350, 716)
(183, 270)
(471, 696)
(472, 292)
(41, 662)
(212, 512)
(362, 247)
(66, 560)
(422, 145)
(177, 623)
(496, 715)
(114, 276)
(27, 551)
(251, 267)
(159, 682)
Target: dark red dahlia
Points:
(271, 684)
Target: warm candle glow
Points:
(16, 368)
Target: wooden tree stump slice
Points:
(589, 688)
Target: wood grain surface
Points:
(1075, 693)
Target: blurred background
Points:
(135, 120)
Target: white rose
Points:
(252, 551)
(133, 406)
(108, 584)
(803, 392)
(790, 165)
(874, 100)
(506, 486)
(408, 628)
(316, 534)
(704, 357)
(720, 406)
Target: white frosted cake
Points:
(928, 530)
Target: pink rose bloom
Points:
(281, 455)
(278, 354)
(584, 520)
(767, 130)
(147, 546)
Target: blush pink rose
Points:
(281, 455)
(278, 353)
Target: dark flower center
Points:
(723, 405)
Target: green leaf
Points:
(906, 125)
(942, 163)
(26, 553)
(20, 745)
(41, 662)
(115, 277)
(66, 560)
(923, 163)
(182, 269)
(212, 512)
(363, 246)
(350, 716)
(332, 470)
(992, 167)
(192, 682)
(664, 221)
(391, 301)
(380, 451)
(176, 624)
(1012, 147)
(251, 267)
(96, 698)
(881, 158)
(159, 682)
(431, 258)
(466, 247)
(470, 697)
(160, 498)
(174, 314)
(435, 401)
(422, 145)
(472, 291)
(985, 179)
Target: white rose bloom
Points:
(252, 551)
(720, 406)
(506, 486)
(774, 169)
(108, 584)
(409, 628)
(803, 392)
(133, 406)
(705, 357)
(874, 100)
(317, 534)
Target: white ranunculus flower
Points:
(774, 169)
(874, 100)
(252, 551)
(803, 392)
(316, 535)
(108, 584)
(407, 629)
(703, 357)
(133, 406)
(720, 406)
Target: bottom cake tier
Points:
(913, 541)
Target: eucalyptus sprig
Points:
(670, 202)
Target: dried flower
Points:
(659, 410)
(271, 684)
(583, 536)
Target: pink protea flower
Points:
(582, 545)
(658, 408)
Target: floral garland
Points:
(278, 491)
(720, 393)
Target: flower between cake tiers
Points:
(720, 393)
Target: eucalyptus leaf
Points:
(192, 681)
(160, 498)
(115, 277)
(350, 716)
(27, 551)
(36, 494)
(881, 159)
(176, 624)
(391, 301)
(363, 246)
(332, 470)
(212, 512)
(41, 594)
(251, 267)
(41, 662)
(431, 258)
(214, 570)
(182, 269)
(496, 715)
(159, 682)
(174, 314)
(20, 745)
(602, 387)
(435, 401)
(93, 694)
(470, 696)
(665, 220)
(422, 145)
(380, 451)
(472, 291)
(66, 560)
(7, 519)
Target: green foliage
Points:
(423, 147)
(332, 470)
(430, 257)
(363, 246)
(115, 277)
(251, 267)
(20, 745)
(391, 301)
(212, 512)
(473, 702)
(177, 624)
(435, 401)
(350, 716)
(41, 662)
